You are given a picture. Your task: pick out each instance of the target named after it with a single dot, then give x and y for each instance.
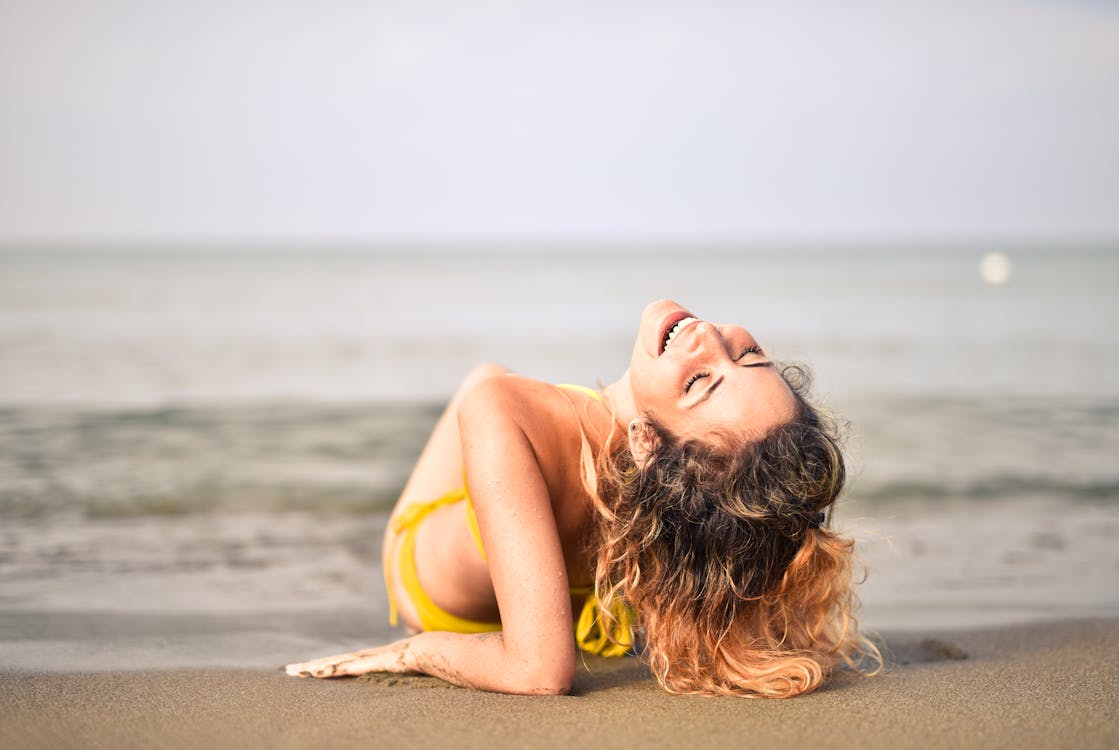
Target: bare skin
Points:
(519, 442)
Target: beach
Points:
(1043, 685)
(198, 453)
(113, 646)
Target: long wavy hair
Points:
(726, 556)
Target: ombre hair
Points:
(725, 554)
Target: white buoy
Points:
(994, 269)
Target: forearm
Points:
(483, 661)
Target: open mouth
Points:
(675, 325)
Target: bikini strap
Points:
(415, 512)
(581, 389)
(405, 523)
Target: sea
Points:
(199, 446)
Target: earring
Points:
(634, 425)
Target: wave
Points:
(176, 460)
(355, 458)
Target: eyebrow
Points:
(707, 394)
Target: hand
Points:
(391, 658)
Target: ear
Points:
(643, 441)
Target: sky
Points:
(293, 121)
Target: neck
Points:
(619, 397)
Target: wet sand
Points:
(1038, 685)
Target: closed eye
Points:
(692, 380)
(759, 359)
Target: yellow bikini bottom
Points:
(595, 631)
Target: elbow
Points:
(549, 685)
(545, 680)
(557, 681)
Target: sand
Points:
(1037, 685)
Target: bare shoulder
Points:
(493, 392)
(512, 424)
(482, 372)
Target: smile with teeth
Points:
(681, 325)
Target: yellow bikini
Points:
(595, 632)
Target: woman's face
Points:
(693, 376)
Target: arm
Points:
(535, 653)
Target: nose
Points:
(707, 339)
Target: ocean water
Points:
(219, 433)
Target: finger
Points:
(353, 663)
(330, 669)
(297, 670)
(349, 665)
(317, 668)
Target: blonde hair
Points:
(738, 585)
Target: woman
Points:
(685, 503)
